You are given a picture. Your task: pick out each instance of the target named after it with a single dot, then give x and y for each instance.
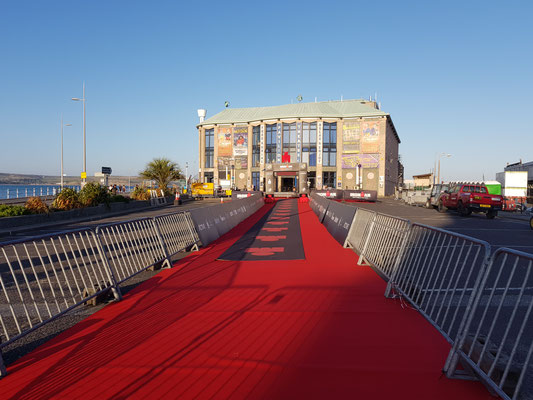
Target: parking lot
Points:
(502, 231)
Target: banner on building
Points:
(370, 136)
(224, 162)
(299, 142)
(278, 143)
(365, 160)
(319, 148)
(240, 141)
(351, 136)
(224, 141)
(241, 162)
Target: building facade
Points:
(348, 144)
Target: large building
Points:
(348, 144)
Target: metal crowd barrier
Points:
(438, 272)
(496, 343)
(383, 242)
(44, 277)
(47, 276)
(132, 246)
(481, 304)
(358, 232)
(177, 231)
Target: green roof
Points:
(324, 109)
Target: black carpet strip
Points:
(276, 236)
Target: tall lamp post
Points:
(84, 178)
(62, 125)
(442, 155)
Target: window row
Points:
(289, 144)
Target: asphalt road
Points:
(93, 223)
(498, 232)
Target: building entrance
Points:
(286, 178)
(288, 184)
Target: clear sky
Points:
(456, 76)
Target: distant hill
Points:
(22, 179)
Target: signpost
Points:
(106, 171)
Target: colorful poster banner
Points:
(370, 136)
(224, 162)
(224, 141)
(240, 141)
(241, 162)
(365, 160)
(351, 136)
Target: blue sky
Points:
(456, 77)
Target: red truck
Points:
(467, 198)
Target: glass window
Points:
(270, 147)
(309, 143)
(329, 146)
(328, 179)
(209, 147)
(208, 177)
(256, 146)
(255, 180)
(289, 140)
(483, 190)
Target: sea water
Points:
(18, 191)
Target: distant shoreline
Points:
(23, 179)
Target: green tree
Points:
(161, 170)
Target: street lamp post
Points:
(442, 155)
(62, 125)
(83, 99)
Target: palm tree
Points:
(161, 170)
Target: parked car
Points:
(468, 198)
(436, 192)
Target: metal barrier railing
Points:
(132, 246)
(482, 306)
(47, 276)
(44, 277)
(359, 229)
(437, 271)
(496, 343)
(177, 231)
(384, 240)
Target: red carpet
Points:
(317, 328)
(276, 236)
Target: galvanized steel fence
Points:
(384, 238)
(438, 271)
(481, 304)
(44, 277)
(496, 343)
(132, 246)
